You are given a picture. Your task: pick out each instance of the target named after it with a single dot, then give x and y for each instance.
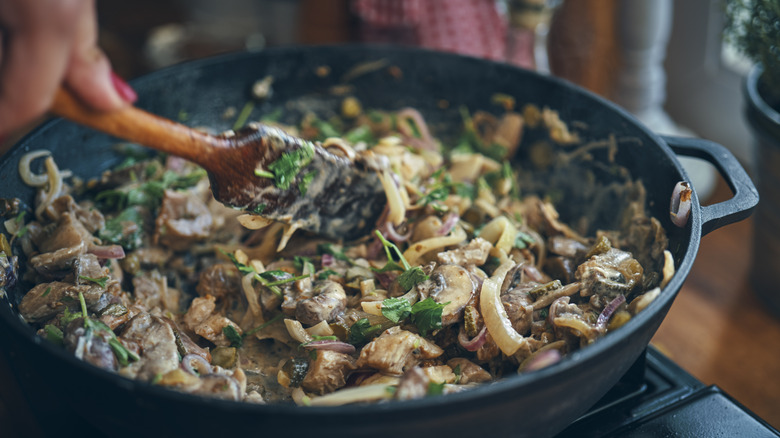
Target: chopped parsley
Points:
(287, 167)
(232, 335)
(99, 281)
(47, 291)
(326, 273)
(426, 315)
(115, 230)
(258, 209)
(523, 240)
(305, 181)
(410, 275)
(396, 309)
(362, 331)
(435, 388)
(91, 326)
(53, 334)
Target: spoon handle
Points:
(139, 126)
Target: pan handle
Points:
(745, 198)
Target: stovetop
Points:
(657, 398)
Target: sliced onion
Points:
(108, 251)
(393, 235)
(473, 344)
(680, 206)
(609, 309)
(327, 260)
(496, 320)
(30, 178)
(196, 365)
(542, 359)
(337, 346)
(449, 222)
(354, 395)
(296, 331)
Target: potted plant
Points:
(753, 27)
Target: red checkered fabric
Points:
(469, 27)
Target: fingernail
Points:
(125, 91)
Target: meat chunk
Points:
(92, 219)
(57, 264)
(151, 291)
(68, 232)
(468, 371)
(219, 280)
(200, 309)
(328, 372)
(519, 309)
(201, 320)
(183, 219)
(329, 301)
(609, 274)
(396, 351)
(45, 300)
(475, 253)
(155, 342)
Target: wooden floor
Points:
(718, 330)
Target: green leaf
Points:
(326, 273)
(53, 334)
(435, 388)
(263, 325)
(362, 331)
(287, 167)
(47, 291)
(523, 240)
(361, 133)
(99, 281)
(242, 268)
(396, 309)
(307, 178)
(458, 374)
(411, 277)
(303, 263)
(258, 209)
(115, 230)
(243, 116)
(232, 335)
(426, 315)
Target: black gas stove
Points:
(657, 398)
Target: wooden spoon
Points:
(260, 168)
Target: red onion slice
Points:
(680, 206)
(473, 344)
(337, 346)
(542, 359)
(196, 365)
(393, 235)
(609, 309)
(449, 222)
(108, 251)
(327, 260)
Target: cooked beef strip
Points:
(45, 300)
(155, 342)
(327, 372)
(397, 350)
(329, 302)
(183, 220)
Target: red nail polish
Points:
(125, 91)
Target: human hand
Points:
(45, 44)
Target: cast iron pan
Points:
(62, 388)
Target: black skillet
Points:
(62, 389)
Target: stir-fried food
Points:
(470, 274)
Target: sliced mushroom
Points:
(329, 302)
(456, 288)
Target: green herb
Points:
(47, 291)
(258, 209)
(307, 178)
(287, 167)
(396, 309)
(466, 190)
(426, 315)
(362, 331)
(156, 379)
(523, 240)
(435, 388)
(544, 313)
(273, 116)
(68, 317)
(232, 335)
(327, 248)
(150, 193)
(303, 264)
(53, 334)
(470, 140)
(361, 133)
(411, 276)
(242, 268)
(326, 129)
(326, 273)
(123, 355)
(243, 116)
(116, 231)
(458, 374)
(287, 280)
(263, 173)
(20, 217)
(99, 281)
(183, 116)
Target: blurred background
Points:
(662, 60)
